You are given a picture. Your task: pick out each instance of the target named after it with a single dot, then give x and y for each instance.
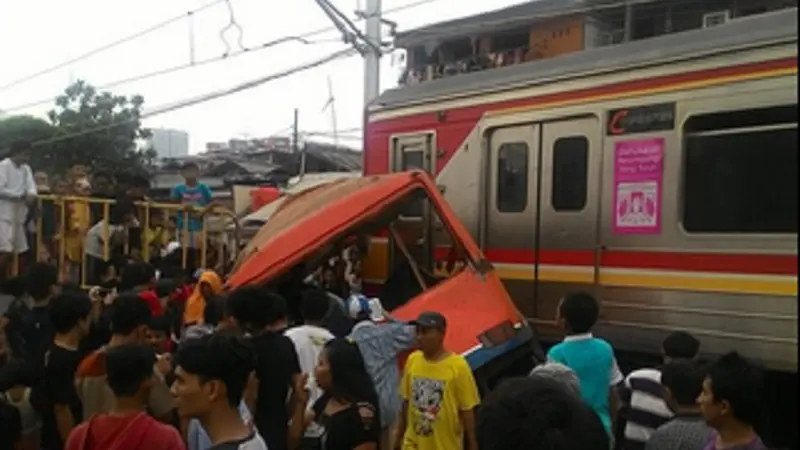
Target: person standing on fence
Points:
(191, 194)
(17, 192)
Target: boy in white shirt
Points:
(309, 340)
(17, 191)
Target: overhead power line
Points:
(302, 38)
(109, 46)
(178, 68)
(205, 97)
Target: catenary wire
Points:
(206, 97)
(108, 46)
(303, 38)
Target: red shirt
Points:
(153, 302)
(132, 432)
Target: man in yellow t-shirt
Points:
(439, 394)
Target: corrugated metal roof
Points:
(344, 160)
(771, 28)
(170, 180)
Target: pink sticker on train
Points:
(638, 178)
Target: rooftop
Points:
(504, 19)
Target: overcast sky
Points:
(36, 34)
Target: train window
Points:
(570, 170)
(512, 177)
(413, 159)
(740, 172)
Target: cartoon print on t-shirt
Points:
(427, 395)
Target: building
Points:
(169, 143)
(255, 162)
(547, 28)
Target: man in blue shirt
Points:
(192, 195)
(591, 358)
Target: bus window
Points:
(740, 171)
(570, 171)
(512, 177)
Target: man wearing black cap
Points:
(439, 393)
(17, 191)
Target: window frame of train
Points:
(570, 174)
(757, 148)
(515, 205)
(420, 145)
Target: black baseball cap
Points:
(430, 319)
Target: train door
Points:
(541, 216)
(512, 191)
(410, 152)
(568, 211)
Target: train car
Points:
(660, 175)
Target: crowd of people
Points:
(161, 357)
(82, 235)
(139, 370)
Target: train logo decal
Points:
(641, 119)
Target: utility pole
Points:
(296, 145)
(372, 58)
(332, 106)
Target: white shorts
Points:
(13, 238)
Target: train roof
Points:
(750, 32)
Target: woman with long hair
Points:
(348, 409)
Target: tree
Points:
(97, 129)
(30, 129)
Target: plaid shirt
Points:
(380, 345)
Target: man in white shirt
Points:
(17, 191)
(309, 339)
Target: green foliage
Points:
(29, 129)
(96, 129)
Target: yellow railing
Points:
(56, 228)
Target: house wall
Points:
(556, 37)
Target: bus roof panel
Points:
(771, 28)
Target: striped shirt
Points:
(647, 409)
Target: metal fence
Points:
(59, 227)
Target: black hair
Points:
(215, 310)
(19, 146)
(580, 311)
(127, 367)
(102, 174)
(68, 309)
(190, 165)
(14, 287)
(136, 274)
(681, 344)
(684, 379)
(350, 380)
(129, 313)
(736, 381)
(226, 357)
(165, 287)
(40, 279)
(538, 413)
(315, 305)
(139, 181)
(255, 307)
(159, 323)
(122, 207)
(17, 372)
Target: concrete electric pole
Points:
(372, 58)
